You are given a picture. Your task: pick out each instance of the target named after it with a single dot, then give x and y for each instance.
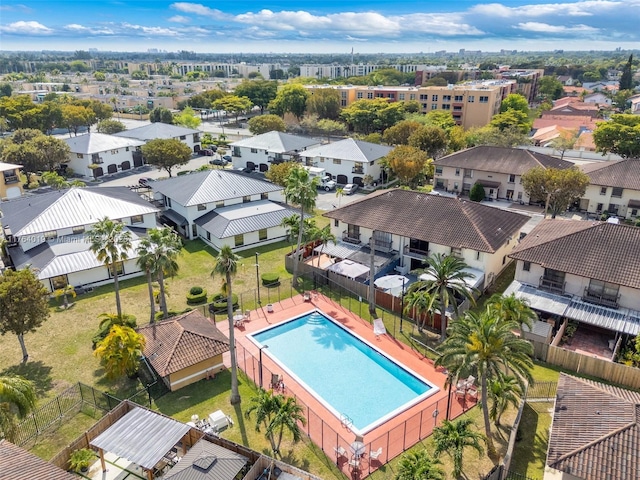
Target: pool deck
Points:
(435, 405)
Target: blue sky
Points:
(324, 26)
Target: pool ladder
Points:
(345, 420)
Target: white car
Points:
(349, 188)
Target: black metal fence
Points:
(498, 473)
(541, 392)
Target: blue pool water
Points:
(346, 374)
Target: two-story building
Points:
(498, 169)
(188, 136)
(614, 187)
(10, 183)
(271, 148)
(97, 154)
(584, 271)
(46, 233)
(224, 208)
(348, 160)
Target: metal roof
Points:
(539, 299)
(616, 320)
(142, 437)
(338, 249)
(207, 461)
(210, 187)
(349, 268)
(99, 142)
(277, 142)
(349, 149)
(8, 166)
(175, 217)
(540, 328)
(156, 130)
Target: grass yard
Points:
(530, 452)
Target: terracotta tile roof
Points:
(433, 218)
(182, 341)
(599, 250)
(19, 464)
(622, 173)
(574, 122)
(501, 160)
(595, 432)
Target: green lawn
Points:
(530, 452)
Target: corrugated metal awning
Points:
(539, 299)
(338, 249)
(488, 183)
(634, 203)
(175, 217)
(615, 320)
(142, 437)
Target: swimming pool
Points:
(345, 373)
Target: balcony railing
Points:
(415, 252)
(11, 179)
(350, 237)
(552, 286)
(600, 298)
(382, 245)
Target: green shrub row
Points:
(197, 298)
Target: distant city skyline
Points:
(374, 26)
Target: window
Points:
(370, 95)
(136, 219)
(401, 96)
(119, 268)
(616, 192)
(458, 98)
(484, 99)
(412, 96)
(634, 212)
(599, 207)
(519, 195)
(456, 186)
(50, 235)
(457, 172)
(194, 230)
(353, 231)
(336, 223)
(60, 281)
(78, 230)
(183, 137)
(208, 235)
(603, 190)
(526, 266)
(424, 97)
(359, 95)
(262, 234)
(434, 98)
(264, 196)
(239, 240)
(220, 204)
(114, 152)
(456, 252)
(434, 106)
(79, 155)
(512, 178)
(471, 98)
(446, 98)
(126, 149)
(438, 170)
(246, 199)
(337, 161)
(254, 150)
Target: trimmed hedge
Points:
(171, 313)
(219, 303)
(197, 298)
(270, 279)
(196, 290)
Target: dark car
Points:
(227, 158)
(145, 181)
(219, 161)
(206, 152)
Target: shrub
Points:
(196, 290)
(109, 320)
(170, 313)
(477, 193)
(81, 459)
(270, 279)
(219, 303)
(198, 297)
(183, 172)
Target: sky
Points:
(321, 26)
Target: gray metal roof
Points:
(349, 149)
(175, 217)
(539, 299)
(99, 142)
(207, 461)
(338, 249)
(142, 437)
(210, 187)
(244, 218)
(540, 328)
(277, 142)
(156, 130)
(616, 320)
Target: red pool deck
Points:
(395, 435)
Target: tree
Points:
(331, 127)
(515, 101)
(626, 79)
(620, 135)
(324, 236)
(227, 265)
(503, 391)
(120, 351)
(512, 309)
(5, 90)
(266, 123)
(559, 188)
(550, 87)
(419, 465)
(110, 127)
(260, 92)
(99, 76)
(301, 190)
(399, 133)
(111, 244)
(511, 118)
(279, 173)
(430, 139)
(65, 292)
(166, 153)
(484, 344)
(24, 305)
(367, 116)
(421, 303)
(161, 115)
(291, 98)
(325, 103)
(492, 135)
(233, 104)
(52, 150)
(407, 163)
(565, 141)
(76, 116)
(17, 396)
(187, 118)
(453, 438)
(477, 193)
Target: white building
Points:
(97, 154)
(614, 187)
(188, 136)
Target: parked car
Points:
(206, 152)
(219, 161)
(227, 158)
(145, 181)
(349, 188)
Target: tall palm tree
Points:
(110, 243)
(339, 194)
(453, 438)
(17, 396)
(503, 391)
(324, 236)
(301, 190)
(292, 224)
(227, 266)
(484, 344)
(513, 309)
(146, 261)
(419, 466)
(421, 303)
(447, 278)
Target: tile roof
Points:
(211, 186)
(349, 149)
(501, 160)
(156, 130)
(595, 432)
(574, 122)
(277, 142)
(599, 250)
(433, 218)
(207, 461)
(621, 173)
(182, 341)
(99, 142)
(71, 208)
(19, 464)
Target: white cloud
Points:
(197, 9)
(546, 28)
(155, 31)
(28, 28)
(178, 19)
(16, 8)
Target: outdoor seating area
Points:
(277, 383)
(467, 389)
(240, 318)
(213, 424)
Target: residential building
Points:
(97, 154)
(258, 152)
(498, 169)
(598, 98)
(188, 136)
(224, 208)
(527, 80)
(635, 104)
(348, 160)
(46, 232)
(19, 464)
(10, 183)
(614, 187)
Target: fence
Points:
(541, 392)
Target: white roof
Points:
(473, 281)
(276, 142)
(156, 130)
(8, 166)
(349, 268)
(244, 210)
(349, 149)
(99, 142)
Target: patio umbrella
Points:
(392, 284)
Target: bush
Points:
(198, 297)
(477, 193)
(183, 172)
(170, 313)
(110, 320)
(270, 279)
(196, 290)
(219, 303)
(80, 459)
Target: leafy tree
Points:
(17, 396)
(24, 305)
(291, 98)
(279, 173)
(161, 115)
(19, 148)
(110, 127)
(120, 351)
(166, 154)
(503, 391)
(453, 438)
(477, 193)
(550, 87)
(227, 265)
(5, 90)
(419, 465)
(485, 344)
(301, 190)
(139, 75)
(111, 244)
(325, 103)
(620, 135)
(100, 76)
(52, 150)
(233, 104)
(21, 112)
(440, 118)
(108, 320)
(260, 92)
(626, 79)
(54, 180)
(187, 118)
(457, 139)
(266, 123)
(430, 139)
(491, 135)
(65, 292)
(565, 141)
(399, 133)
(515, 101)
(422, 303)
(331, 127)
(407, 163)
(324, 236)
(511, 118)
(366, 116)
(559, 188)
(76, 116)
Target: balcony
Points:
(552, 286)
(382, 245)
(11, 179)
(351, 237)
(415, 253)
(358, 170)
(599, 298)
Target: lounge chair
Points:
(340, 451)
(378, 327)
(374, 454)
(471, 380)
(247, 315)
(275, 381)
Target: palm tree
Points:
(484, 344)
(420, 303)
(419, 466)
(110, 244)
(453, 438)
(513, 309)
(324, 236)
(17, 395)
(167, 246)
(227, 266)
(292, 224)
(120, 351)
(503, 391)
(301, 190)
(146, 261)
(448, 279)
(339, 194)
